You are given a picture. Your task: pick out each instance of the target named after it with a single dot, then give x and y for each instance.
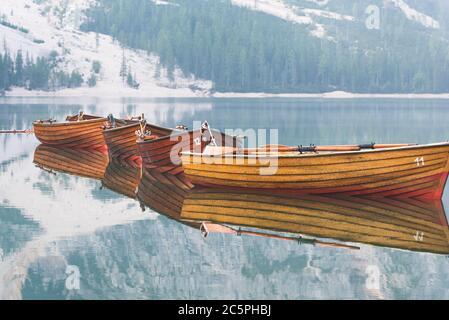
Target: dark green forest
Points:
(242, 50)
(34, 74)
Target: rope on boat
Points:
(14, 131)
(205, 127)
(143, 132)
(111, 120)
(80, 115)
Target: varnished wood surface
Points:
(397, 223)
(417, 171)
(121, 141)
(410, 224)
(72, 134)
(163, 154)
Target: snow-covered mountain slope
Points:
(298, 12)
(294, 14)
(415, 15)
(39, 27)
(53, 25)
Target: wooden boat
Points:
(121, 139)
(409, 224)
(84, 163)
(162, 153)
(79, 131)
(382, 170)
(122, 178)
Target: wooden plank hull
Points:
(408, 224)
(84, 163)
(86, 134)
(163, 154)
(122, 178)
(121, 141)
(415, 171)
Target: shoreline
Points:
(112, 93)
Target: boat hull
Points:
(121, 141)
(84, 134)
(418, 171)
(163, 154)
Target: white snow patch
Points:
(415, 15)
(164, 3)
(294, 14)
(56, 22)
(275, 8)
(333, 95)
(319, 2)
(279, 9)
(14, 40)
(327, 14)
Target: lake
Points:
(65, 236)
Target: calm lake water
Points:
(54, 224)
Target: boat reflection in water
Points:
(84, 163)
(122, 178)
(397, 223)
(409, 224)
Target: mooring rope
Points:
(14, 131)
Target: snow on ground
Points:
(15, 40)
(164, 3)
(56, 22)
(304, 16)
(327, 14)
(415, 15)
(281, 10)
(333, 95)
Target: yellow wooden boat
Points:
(406, 171)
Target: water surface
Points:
(50, 221)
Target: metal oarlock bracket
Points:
(239, 232)
(111, 120)
(368, 146)
(302, 149)
(142, 132)
(80, 115)
(205, 126)
(182, 127)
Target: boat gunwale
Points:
(178, 133)
(136, 123)
(38, 123)
(311, 155)
(181, 132)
